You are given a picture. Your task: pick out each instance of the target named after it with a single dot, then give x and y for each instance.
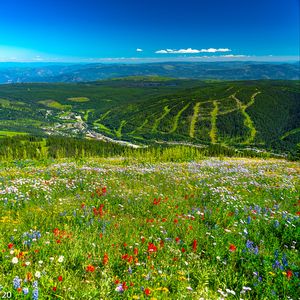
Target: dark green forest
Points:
(39, 148)
(257, 116)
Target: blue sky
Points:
(113, 30)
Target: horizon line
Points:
(136, 60)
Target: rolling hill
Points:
(235, 70)
(143, 110)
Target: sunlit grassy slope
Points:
(118, 229)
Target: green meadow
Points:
(132, 228)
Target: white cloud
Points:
(185, 51)
(232, 55)
(214, 50)
(139, 50)
(191, 51)
(162, 51)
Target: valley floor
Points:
(118, 229)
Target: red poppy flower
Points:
(56, 231)
(135, 251)
(104, 190)
(99, 211)
(105, 259)
(10, 245)
(194, 245)
(152, 247)
(147, 291)
(90, 268)
(177, 239)
(289, 274)
(232, 248)
(124, 256)
(60, 278)
(182, 250)
(54, 288)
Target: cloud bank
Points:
(139, 50)
(192, 51)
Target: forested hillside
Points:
(147, 110)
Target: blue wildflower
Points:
(35, 294)
(277, 265)
(258, 209)
(249, 245)
(17, 282)
(284, 260)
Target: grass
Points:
(4, 102)
(11, 133)
(195, 116)
(117, 228)
(158, 120)
(79, 99)
(247, 121)
(213, 131)
(55, 104)
(294, 131)
(177, 117)
(118, 132)
(86, 114)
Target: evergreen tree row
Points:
(32, 147)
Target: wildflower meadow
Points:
(119, 228)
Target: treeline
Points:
(31, 147)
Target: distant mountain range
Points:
(51, 72)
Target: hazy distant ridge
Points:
(39, 72)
